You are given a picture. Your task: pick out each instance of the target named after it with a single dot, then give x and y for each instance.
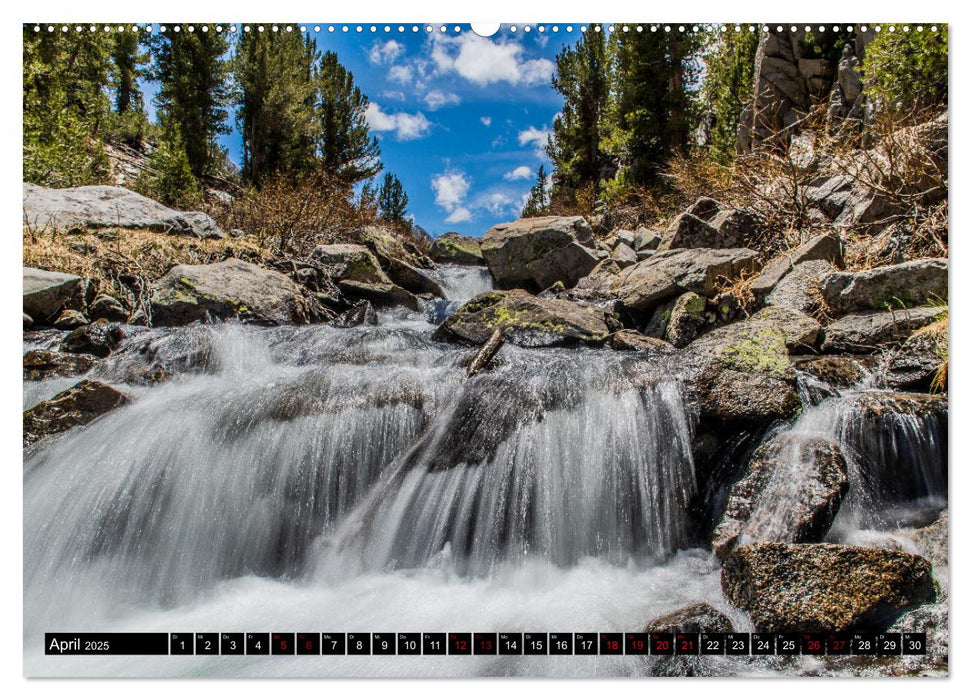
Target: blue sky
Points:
(462, 120)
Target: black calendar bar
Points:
(482, 643)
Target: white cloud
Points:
(484, 61)
(386, 52)
(450, 189)
(393, 95)
(437, 99)
(406, 127)
(458, 215)
(400, 74)
(523, 172)
(498, 203)
(486, 121)
(534, 136)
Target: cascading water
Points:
(459, 283)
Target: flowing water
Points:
(315, 478)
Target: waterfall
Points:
(459, 284)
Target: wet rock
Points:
(380, 294)
(401, 263)
(537, 252)
(47, 293)
(627, 339)
(43, 364)
(699, 617)
(913, 283)
(868, 331)
(360, 314)
(800, 288)
(99, 338)
(915, 363)
(455, 249)
(525, 320)
(108, 308)
(231, 289)
(28, 321)
(70, 319)
(670, 273)
(824, 247)
(824, 587)
(101, 206)
(790, 491)
(930, 541)
(838, 371)
(79, 405)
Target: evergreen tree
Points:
(727, 88)
(539, 196)
(392, 199)
(193, 91)
(274, 73)
(575, 146)
(344, 144)
(128, 123)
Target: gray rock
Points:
(623, 237)
(525, 320)
(799, 289)
(800, 331)
(624, 255)
(102, 206)
(671, 273)
(70, 319)
(824, 587)
(699, 617)
(626, 339)
(402, 263)
(108, 308)
(689, 231)
(99, 338)
(869, 331)
(646, 240)
(825, 246)
(689, 318)
(360, 314)
(537, 252)
(596, 287)
(79, 405)
(912, 283)
(47, 293)
(231, 289)
(914, 364)
(838, 371)
(350, 262)
(455, 249)
(790, 491)
(380, 294)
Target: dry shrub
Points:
(124, 263)
(292, 215)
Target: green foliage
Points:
(907, 71)
(727, 87)
(273, 72)
(169, 176)
(392, 199)
(193, 92)
(539, 196)
(344, 144)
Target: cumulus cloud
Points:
(498, 203)
(406, 127)
(450, 189)
(400, 74)
(393, 95)
(458, 215)
(486, 121)
(523, 172)
(437, 99)
(484, 61)
(386, 52)
(534, 136)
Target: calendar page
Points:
(448, 350)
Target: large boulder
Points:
(79, 405)
(102, 206)
(699, 617)
(227, 290)
(48, 293)
(913, 283)
(800, 288)
(689, 231)
(790, 491)
(801, 331)
(688, 319)
(915, 364)
(869, 331)
(668, 274)
(359, 275)
(741, 372)
(596, 287)
(824, 587)
(455, 249)
(538, 252)
(824, 247)
(525, 320)
(401, 261)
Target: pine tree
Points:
(539, 197)
(727, 88)
(392, 199)
(344, 144)
(128, 121)
(192, 72)
(575, 146)
(274, 73)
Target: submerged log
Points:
(486, 353)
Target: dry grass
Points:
(123, 262)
